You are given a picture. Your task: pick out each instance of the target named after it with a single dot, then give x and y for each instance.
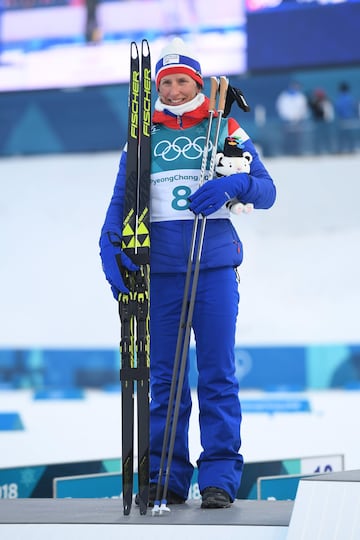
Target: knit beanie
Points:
(177, 57)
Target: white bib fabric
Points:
(169, 195)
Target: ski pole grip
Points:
(224, 83)
(214, 86)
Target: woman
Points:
(179, 130)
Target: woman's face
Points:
(176, 89)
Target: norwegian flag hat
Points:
(177, 57)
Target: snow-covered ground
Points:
(299, 279)
(67, 431)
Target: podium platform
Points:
(326, 507)
(103, 519)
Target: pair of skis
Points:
(134, 307)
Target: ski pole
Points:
(187, 310)
(160, 492)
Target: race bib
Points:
(170, 191)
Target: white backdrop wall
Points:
(299, 285)
(299, 279)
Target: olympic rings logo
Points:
(190, 149)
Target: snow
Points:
(299, 278)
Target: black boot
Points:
(213, 497)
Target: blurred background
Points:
(64, 69)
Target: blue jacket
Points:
(170, 240)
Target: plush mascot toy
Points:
(234, 160)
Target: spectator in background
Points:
(292, 108)
(322, 111)
(347, 116)
(92, 30)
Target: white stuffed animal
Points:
(224, 166)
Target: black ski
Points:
(134, 307)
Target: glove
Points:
(215, 193)
(235, 94)
(114, 262)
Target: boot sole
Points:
(212, 503)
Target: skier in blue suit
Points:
(179, 130)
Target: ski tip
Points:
(145, 47)
(134, 49)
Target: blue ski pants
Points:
(214, 322)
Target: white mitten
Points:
(237, 207)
